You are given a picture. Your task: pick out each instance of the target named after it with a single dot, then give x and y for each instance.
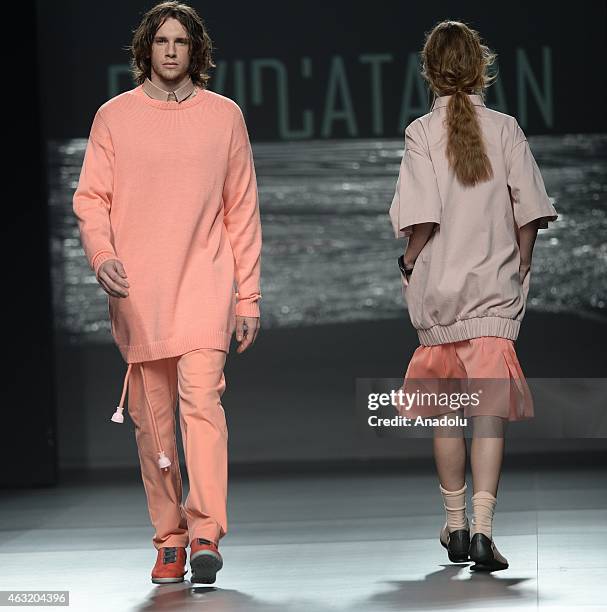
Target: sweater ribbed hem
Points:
(175, 346)
(466, 329)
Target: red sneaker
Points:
(205, 560)
(170, 565)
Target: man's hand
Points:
(247, 329)
(112, 278)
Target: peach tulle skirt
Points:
(487, 364)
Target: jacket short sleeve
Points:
(417, 198)
(527, 190)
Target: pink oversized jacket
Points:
(465, 282)
(170, 189)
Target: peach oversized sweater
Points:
(170, 190)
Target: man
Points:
(168, 213)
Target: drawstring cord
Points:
(163, 460)
(118, 417)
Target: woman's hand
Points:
(523, 270)
(417, 241)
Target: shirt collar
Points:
(476, 100)
(157, 93)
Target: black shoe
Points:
(457, 543)
(485, 555)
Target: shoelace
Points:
(203, 541)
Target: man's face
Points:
(170, 53)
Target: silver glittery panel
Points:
(329, 253)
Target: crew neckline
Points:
(170, 104)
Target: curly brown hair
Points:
(201, 46)
(454, 63)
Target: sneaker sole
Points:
(205, 566)
(167, 580)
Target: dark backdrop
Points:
(300, 71)
(311, 45)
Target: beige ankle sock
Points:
(455, 507)
(483, 505)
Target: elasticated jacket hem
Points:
(465, 329)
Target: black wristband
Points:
(401, 264)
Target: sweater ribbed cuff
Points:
(246, 308)
(101, 257)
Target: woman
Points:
(470, 199)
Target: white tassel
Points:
(163, 460)
(118, 417)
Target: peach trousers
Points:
(195, 378)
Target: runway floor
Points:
(310, 542)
